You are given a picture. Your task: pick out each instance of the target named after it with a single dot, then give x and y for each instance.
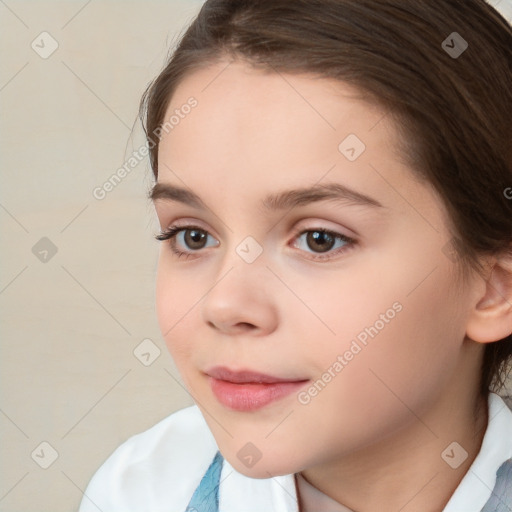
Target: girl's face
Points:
(368, 316)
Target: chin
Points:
(261, 469)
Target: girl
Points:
(333, 180)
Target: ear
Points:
(491, 317)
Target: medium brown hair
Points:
(454, 113)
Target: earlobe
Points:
(491, 317)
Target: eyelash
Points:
(171, 233)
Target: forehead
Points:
(256, 131)
(233, 95)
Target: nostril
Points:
(242, 326)
(245, 325)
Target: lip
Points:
(246, 376)
(248, 390)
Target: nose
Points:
(241, 302)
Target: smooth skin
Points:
(372, 439)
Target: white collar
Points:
(476, 487)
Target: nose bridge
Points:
(244, 242)
(240, 294)
(244, 265)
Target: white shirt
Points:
(158, 471)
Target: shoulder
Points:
(155, 470)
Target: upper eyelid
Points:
(164, 208)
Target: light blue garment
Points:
(501, 497)
(206, 495)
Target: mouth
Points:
(248, 390)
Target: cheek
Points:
(408, 352)
(398, 329)
(391, 377)
(175, 297)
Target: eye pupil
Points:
(323, 240)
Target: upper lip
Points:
(245, 376)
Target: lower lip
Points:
(249, 397)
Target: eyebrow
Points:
(284, 200)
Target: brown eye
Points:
(322, 244)
(195, 238)
(320, 241)
(189, 238)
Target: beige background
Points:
(70, 324)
